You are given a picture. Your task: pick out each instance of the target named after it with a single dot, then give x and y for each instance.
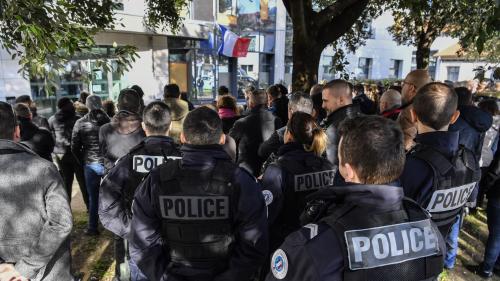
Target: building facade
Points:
(189, 57)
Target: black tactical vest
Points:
(303, 176)
(454, 182)
(383, 246)
(197, 209)
(144, 158)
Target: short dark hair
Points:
(434, 104)
(273, 91)
(63, 102)
(374, 147)
(22, 110)
(109, 107)
(464, 96)
(283, 89)
(338, 83)
(171, 91)
(222, 91)
(138, 90)
(317, 100)
(202, 126)
(489, 105)
(24, 99)
(8, 121)
(156, 117)
(83, 97)
(129, 100)
(359, 88)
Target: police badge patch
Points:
(268, 197)
(279, 264)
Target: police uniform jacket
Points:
(315, 253)
(250, 225)
(276, 181)
(418, 176)
(114, 211)
(331, 123)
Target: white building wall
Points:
(12, 84)
(466, 70)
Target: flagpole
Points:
(216, 47)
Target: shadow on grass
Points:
(92, 255)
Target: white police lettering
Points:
(146, 163)
(316, 180)
(392, 244)
(194, 207)
(279, 264)
(450, 199)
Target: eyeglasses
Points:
(404, 82)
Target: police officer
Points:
(365, 230)
(118, 187)
(439, 174)
(298, 171)
(201, 217)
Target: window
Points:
(247, 67)
(365, 68)
(453, 72)
(202, 10)
(396, 68)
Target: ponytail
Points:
(319, 142)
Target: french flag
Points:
(232, 45)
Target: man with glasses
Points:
(413, 81)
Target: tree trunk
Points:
(305, 66)
(423, 53)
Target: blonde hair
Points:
(305, 131)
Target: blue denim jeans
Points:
(135, 272)
(452, 244)
(93, 173)
(492, 249)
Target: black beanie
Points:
(129, 100)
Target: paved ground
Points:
(93, 257)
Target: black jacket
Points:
(249, 132)
(61, 125)
(280, 108)
(314, 252)
(273, 143)
(331, 124)
(85, 139)
(491, 180)
(150, 251)
(228, 123)
(119, 136)
(366, 105)
(40, 121)
(114, 211)
(37, 139)
(472, 125)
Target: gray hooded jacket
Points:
(36, 220)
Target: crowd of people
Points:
(345, 182)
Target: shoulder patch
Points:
(268, 197)
(279, 264)
(313, 230)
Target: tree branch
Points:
(341, 24)
(332, 11)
